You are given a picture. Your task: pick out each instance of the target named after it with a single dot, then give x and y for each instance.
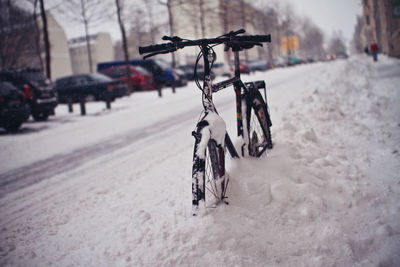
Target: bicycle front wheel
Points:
(209, 181)
(258, 125)
(214, 178)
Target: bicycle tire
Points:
(209, 181)
(258, 124)
(214, 178)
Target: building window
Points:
(366, 2)
(367, 19)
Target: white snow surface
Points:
(114, 188)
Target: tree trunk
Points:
(243, 17)
(124, 46)
(171, 26)
(85, 22)
(226, 28)
(37, 37)
(46, 39)
(202, 16)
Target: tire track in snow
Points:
(44, 169)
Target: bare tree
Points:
(149, 9)
(46, 39)
(356, 42)
(142, 27)
(168, 5)
(266, 20)
(124, 42)
(287, 26)
(41, 30)
(37, 35)
(17, 35)
(87, 12)
(311, 39)
(336, 43)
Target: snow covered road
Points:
(113, 188)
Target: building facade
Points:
(23, 46)
(382, 25)
(197, 19)
(59, 51)
(101, 49)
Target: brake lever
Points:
(233, 33)
(160, 52)
(173, 39)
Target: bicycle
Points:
(209, 180)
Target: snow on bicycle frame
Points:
(210, 134)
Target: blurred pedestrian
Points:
(374, 51)
(366, 50)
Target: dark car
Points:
(38, 90)
(258, 65)
(177, 76)
(162, 72)
(341, 55)
(89, 87)
(141, 79)
(244, 68)
(188, 70)
(13, 108)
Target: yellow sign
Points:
(290, 43)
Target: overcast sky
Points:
(329, 15)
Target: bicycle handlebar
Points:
(155, 48)
(178, 43)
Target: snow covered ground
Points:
(114, 188)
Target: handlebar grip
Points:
(155, 48)
(255, 38)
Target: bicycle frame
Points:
(240, 90)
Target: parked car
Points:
(293, 61)
(163, 74)
(221, 69)
(89, 87)
(179, 77)
(310, 60)
(39, 91)
(141, 79)
(188, 70)
(258, 65)
(279, 62)
(341, 55)
(13, 107)
(244, 69)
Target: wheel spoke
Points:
(256, 136)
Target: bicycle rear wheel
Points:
(258, 124)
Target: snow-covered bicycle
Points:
(209, 180)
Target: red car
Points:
(244, 69)
(142, 80)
